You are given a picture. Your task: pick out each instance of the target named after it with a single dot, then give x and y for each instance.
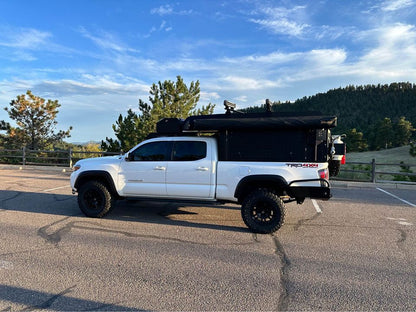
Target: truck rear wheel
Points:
(94, 199)
(263, 212)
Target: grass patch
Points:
(388, 160)
(388, 156)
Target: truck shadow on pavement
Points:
(211, 216)
(208, 216)
(33, 300)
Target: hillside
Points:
(359, 106)
(388, 156)
(363, 108)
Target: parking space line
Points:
(55, 188)
(394, 196)
(317, 208)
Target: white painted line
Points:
(392, 195)
(6, 265)
(397, 219)
(55, 188)
(317, 208)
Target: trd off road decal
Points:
(302, 165)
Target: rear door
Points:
(191, 172)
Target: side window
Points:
(189, 150)
(155, 151)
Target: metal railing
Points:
(377, 172)
(62, 158)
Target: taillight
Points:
(323, 174)
(343, 160)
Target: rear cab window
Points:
(189, 150)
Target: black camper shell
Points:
(267, 137)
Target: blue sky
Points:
(99, 57)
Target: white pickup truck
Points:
(257, 160)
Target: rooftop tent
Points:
(253, 122)
(272, 121)
(235, 120)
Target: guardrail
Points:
(376, 172)
(62, 158)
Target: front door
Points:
(144, 173)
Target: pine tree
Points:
(168, 100)
(36, 122)
(403, 130)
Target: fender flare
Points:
(99, 175)
(262, 180)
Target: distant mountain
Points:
(85, 143)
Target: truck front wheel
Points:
(94, 199)
(263, 211)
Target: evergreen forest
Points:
(372, 116)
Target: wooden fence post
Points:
(373, 171)
(24, 155)
(70, 157)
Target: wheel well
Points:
(247, 185)
(100, 176)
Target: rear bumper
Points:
(316, 192)
(302, 192)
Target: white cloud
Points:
(23, 38)
(167, 9)
(239, 83)
(209, 96)
(107, 41)
(394, 5)
(325, 57)
(241, 98)
(280, 20)
(20, 43)
(91, 85)
(162, 10)
(393, 56)
(275, 58)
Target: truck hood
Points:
(99, 162)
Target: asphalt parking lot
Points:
(356, 251)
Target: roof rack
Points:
(235, 120)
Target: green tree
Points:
(412, 150)
(382, 134)
(355, 141)
(36, 122)
(167, 100)
(125, 130)
(4, 126)
(403, 130)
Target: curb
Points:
(364, 185)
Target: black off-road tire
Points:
(94, 199)
(263, 211)
(334, 166)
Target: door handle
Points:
(159, 168)
(202, 169)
